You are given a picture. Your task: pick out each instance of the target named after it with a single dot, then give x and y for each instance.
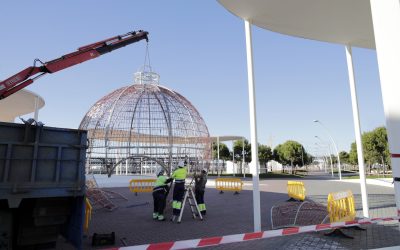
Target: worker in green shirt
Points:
(179, 189)
(160, 191)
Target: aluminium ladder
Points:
(194, 208)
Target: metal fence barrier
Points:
(341, 206)
(296, 190)
(141, 186)
(229, 184)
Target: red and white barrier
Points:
(212, 241)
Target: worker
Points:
(199, 189)
(179, 175)
(160, 191)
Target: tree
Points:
(344, 157)
(264, 154)
(308, 159)
(375, 148)
(238, 148)
(353, 160)
(277, 155)
(290, 152)
(224, 153)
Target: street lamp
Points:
(317, 150)
(328, 149)
(334, 144)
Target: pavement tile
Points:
(232, 214)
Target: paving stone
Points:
(232, 214)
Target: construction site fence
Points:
(296, 190)
(229, 184)
(141, 186)
(341, 206)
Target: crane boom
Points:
(27, 76)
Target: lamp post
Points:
(328, 150)
(334, 144)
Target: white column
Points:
(233, 159)
(357, 131)
(141, 166)
(253, 129)
(36, 114)
(386, 22)
(244, 172)
(126, 166)
(218, 155)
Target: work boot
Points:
(155, 216)
(161, 218)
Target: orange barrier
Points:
(228, 184)
(88, 215)
(296, 190)
(341, 206)
(141, 186)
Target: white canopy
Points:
(20, 103)
(346, 22)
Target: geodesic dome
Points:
(143, 126)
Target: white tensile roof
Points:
(20, 103)
(346, 22)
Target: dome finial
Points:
(146, 74)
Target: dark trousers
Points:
(179, 191)
(159, 199)
(200, 200)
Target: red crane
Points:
(85, 53)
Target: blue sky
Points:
(198, 48)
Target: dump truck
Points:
(42, 185)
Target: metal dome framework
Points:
(140, 127)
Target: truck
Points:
(42, 185)
(42, 169)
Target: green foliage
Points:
(353, 154)
(375, 148)
(264, 154)
(308, 159)
(290, 153)
(344, 157)
(224, 153)
(238, 148)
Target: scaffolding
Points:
(142, 127)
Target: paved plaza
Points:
(233, 214)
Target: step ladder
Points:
(194, 208)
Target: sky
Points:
(198, 48)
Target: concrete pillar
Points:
(253, 129)
(386, 22)
(357, 132)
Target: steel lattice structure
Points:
(143, 126)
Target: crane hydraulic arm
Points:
(85, 53)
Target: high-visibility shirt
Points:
(161, 183)
(161, 180)
(179, 175)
